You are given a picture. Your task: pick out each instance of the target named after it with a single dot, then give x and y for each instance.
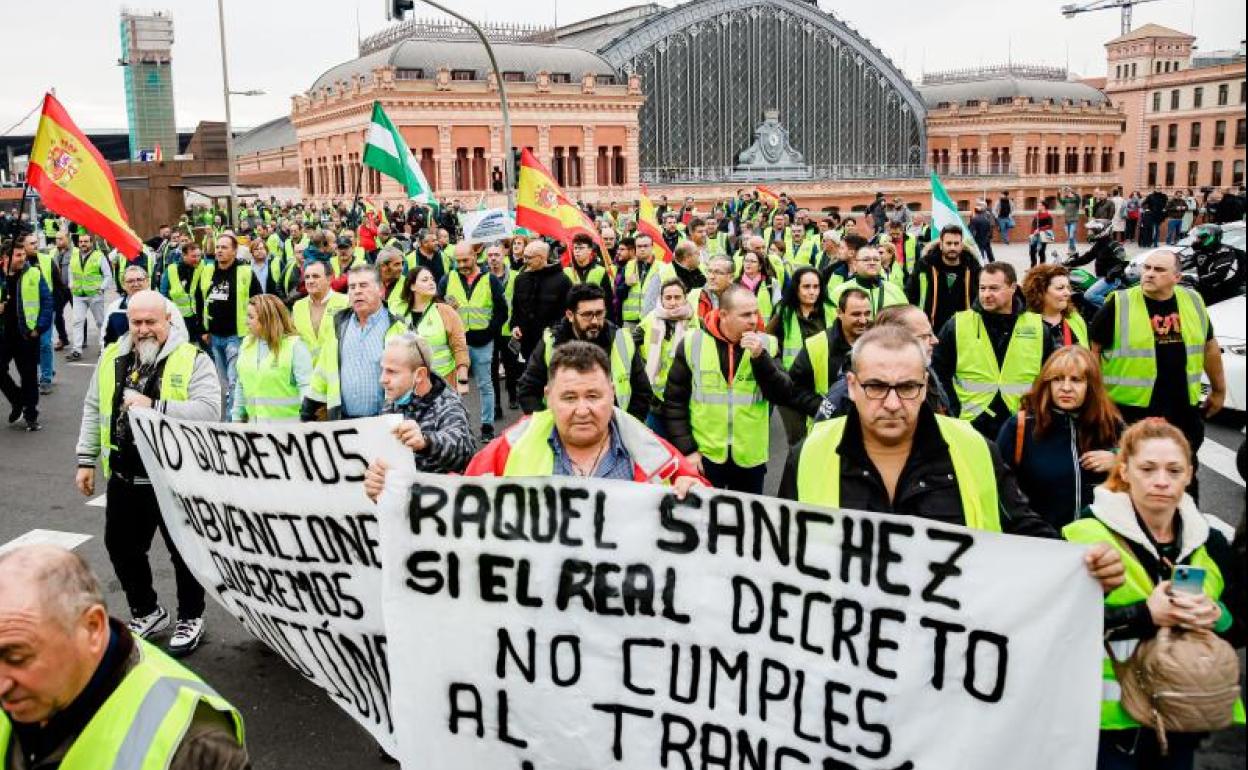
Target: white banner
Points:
(274, 523)
(551, 624)
(486, 225)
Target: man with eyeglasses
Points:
(704, 299)
(116, 324)
(867, 267)
(586, 319)
(892, 454)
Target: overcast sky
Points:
(281, 46)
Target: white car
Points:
(1228, 322)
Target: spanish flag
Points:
(542, 206)
(768, 196)
(648, 224)
(74, 180)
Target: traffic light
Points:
(397, 9)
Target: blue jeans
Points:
(1172, 231)
(1097, 293)
(1071, 227)
(47, 369)
(224, 352)
(480, 358)
(1005, 224)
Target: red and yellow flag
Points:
(648, 223)
(74, 180)
(768, 196)
(542, 206)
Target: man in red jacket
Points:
(582, 433)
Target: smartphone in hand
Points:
(1188, 580)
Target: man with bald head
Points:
(74, 682)
(478, 297)
(539, 297)
(152, 366)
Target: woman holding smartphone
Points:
(1176, 566)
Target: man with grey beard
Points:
(151, 366)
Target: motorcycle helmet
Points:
(1097, 229)
(1206, 238)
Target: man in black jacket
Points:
(539, 297)
(945, 279)
(586, 319)
(998, 307)
(1152, 213)
(895, 455)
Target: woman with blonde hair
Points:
(1047, 292)
(1143, 512)
(1061, 443)
(274, 366)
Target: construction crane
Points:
(1070, 11)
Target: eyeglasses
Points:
(592, 315)
(906, 391)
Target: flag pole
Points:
(509, 182)
(359, 176)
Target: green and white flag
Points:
(944, 210)
(386, 151)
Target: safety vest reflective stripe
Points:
(978, 378)
(180, 295)
(268, 383)
(717, 244)
(622, 350)
(818, 349)
(301, 316)
(1130, 365)
(325, 383)
(593, 276)
(530, 453)
(142, 723)
(242, 294)
(46, 266)
(476, 311)
(1136, 588)
(884, 294)
(88, 279)
(509, 293)
(433, 331)
(819, 470)
(28, 296)
(793, 339)
(637, 288)
(655, 333)
(175, 382)
(728, 418)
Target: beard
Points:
(147, 350)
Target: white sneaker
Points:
(148, 625)
(187, 634)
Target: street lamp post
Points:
(508, 180)
(229, 125)
(229, 130)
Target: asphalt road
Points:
(290, 723)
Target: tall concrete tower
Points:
(146, 54)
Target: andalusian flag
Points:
(944, 210)
(74, 180)
(386, 151)
(543, 208)
(648, 223)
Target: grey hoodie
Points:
(204, 402)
